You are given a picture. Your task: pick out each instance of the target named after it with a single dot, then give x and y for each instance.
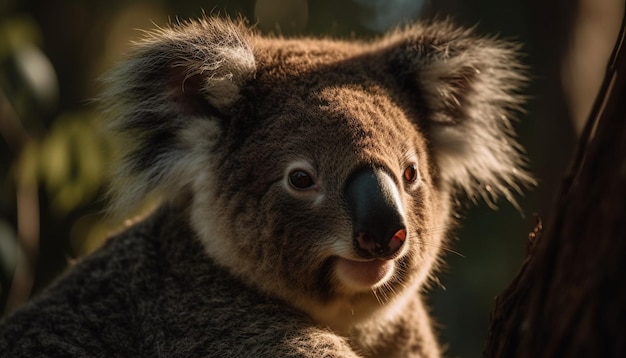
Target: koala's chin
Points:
(364, 275)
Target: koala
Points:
(306, 187)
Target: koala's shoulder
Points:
(156, 288)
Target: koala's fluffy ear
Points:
(173, 86)
(468, 88)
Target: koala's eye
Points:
(300, 179)
(410, 173)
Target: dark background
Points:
(53, 163)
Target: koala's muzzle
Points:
(377, 214)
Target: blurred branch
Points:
(27, 208)
(10, 125)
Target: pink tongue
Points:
(363, 274)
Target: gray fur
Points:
(237, 261)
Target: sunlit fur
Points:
(213, 116)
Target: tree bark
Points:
(569, 298)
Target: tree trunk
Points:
(569, 298)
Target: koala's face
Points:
(319, 171)
(323, 184)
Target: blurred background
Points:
(53, 162)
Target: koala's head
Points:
(319, 171)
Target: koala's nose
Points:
(377, 213)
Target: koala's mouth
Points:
(363, 275)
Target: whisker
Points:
(435, 229)
(444, 248)
(374, 291)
